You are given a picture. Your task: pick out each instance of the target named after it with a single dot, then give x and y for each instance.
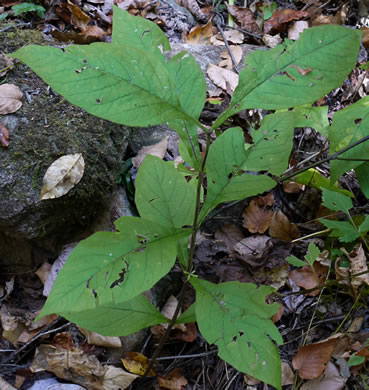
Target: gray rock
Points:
(45, 128)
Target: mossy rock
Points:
(45, 128)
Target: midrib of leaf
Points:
(229, 111)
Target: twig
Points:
(219, 27)
(243, 31)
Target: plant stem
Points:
(191, 253)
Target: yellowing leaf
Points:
(62, 175)
(136, 363)
(201, 34)
(10, 98)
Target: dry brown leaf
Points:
(272, 40)
(157, 150)
(173, 381)
(100, 340)
(288, 377)
(232, 36)
(311, 360)
(193, 7)
(280, 18)
(244, 17)
(12, 328)
(136, 363)
(358, 264)
(231, 235)
(296, 29)
(201, 34)
(282, 228)
(306, 278)
(227, 61)
(251, 249)
(62, 175)
(78, 18)
(6, 64)
(117, 379)
(71, 365)
(4, 136)
(91, 34)
(43, 272)
(256, 217)
(223, 78)
(10, 98)
(365, 39)
(291, 187)
(329, 380)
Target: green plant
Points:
(130, 82)
(28, 7)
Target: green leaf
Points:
(295, 261)
(313, 178)
(315, 117)
(163, 195)
(362, 174)
(188, 316)
(125, 85)
(364, 227)
(227, 160)
(349, 125)
(28, 7)
(114, 267)
(343, 230)
(355, 360)
(235, 317)
(138, 32)
(116, 318)
(281, 77)
(312, 254)
(272, 143)
(337, 202)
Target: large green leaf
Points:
(125, 85)
(139, 32)
(272, 143)
(293, 74)
(163, 195)
(117, 319)
(235, 317)
(349, 125)
(114, 267)
(225, 167)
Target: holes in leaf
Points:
(98, 101)
(84, 61)
(121, 274)
(358, 120)
(94, 293)
(145, 32)
(151, 200)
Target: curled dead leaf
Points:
(257, 217)
(201, 34)
(280, 227)
(10, 98)
(62, 175)
(223, 78)
(311, 360)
